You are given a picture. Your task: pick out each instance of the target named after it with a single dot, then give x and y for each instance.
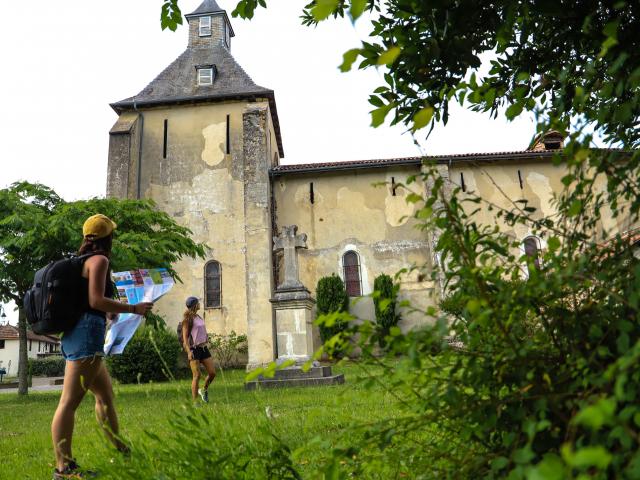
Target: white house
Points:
(37, 346)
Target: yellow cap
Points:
(98, 226)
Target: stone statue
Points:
(289, 242)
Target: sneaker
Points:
(204, 395)
(72, 471)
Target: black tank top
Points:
(108, 292)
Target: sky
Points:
(63, 63)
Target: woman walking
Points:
(82, 348)
(194, 340)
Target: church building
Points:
(203, 141)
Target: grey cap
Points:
(191, 301)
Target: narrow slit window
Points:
(351, 267)
(520, 180)
(205, 76)
(311, 195)
(228, 134)
(212, 280)
(393, 186)
(462, 184)
(164, 140)
(205, 26)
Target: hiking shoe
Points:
(72, 471)
(204, 395)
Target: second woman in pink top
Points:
(194, 339)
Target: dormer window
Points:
(206, 74)
(205, 26)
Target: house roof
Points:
(208, 6)
(9, 332)
(178, 84)
(408, 161)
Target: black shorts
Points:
(200, 352)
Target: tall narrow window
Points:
(351, 266)
(311, 194)
(212, 284)
(205, 26)
(393, 186)
(464, 187)
(532, 250)
(520, 180)
(164, 142)
(228, 134)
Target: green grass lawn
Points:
(234, 421)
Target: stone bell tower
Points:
(199, 140)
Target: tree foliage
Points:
(384, 301)
(331, 297)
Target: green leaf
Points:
(575, 208)
(323, 8)
(422, 118)
(514, 110)
(379, 114)
(357, 8)
(413, 198)
(596, 456)
(348, 58)
(550, 468)
(387, 58)
(553, 244)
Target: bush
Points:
(225, 348)
(331, 297)
(151, 355)
(47, 367)
(384, 301)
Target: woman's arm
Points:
(97, 267)
(185, 339)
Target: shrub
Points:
(151, 355)
(225, 348)
(384, 301)
(331, 296)
(47, 367)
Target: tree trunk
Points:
(23, 364)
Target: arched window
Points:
(532, 250)
(212, 274)
(351, 266)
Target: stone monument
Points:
(293, 305)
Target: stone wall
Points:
(217, 36)
(349, 212)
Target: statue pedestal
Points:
(294, 323)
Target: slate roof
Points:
(178, 84)
(9, 332)
(208, 6)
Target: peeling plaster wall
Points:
(202, 188)
(499, 184)
(350, 213)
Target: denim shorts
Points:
(86, 339)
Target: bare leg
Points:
(195, 371)
(105, 407)
(78, 377)
(211, 370)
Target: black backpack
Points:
(56, 300)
